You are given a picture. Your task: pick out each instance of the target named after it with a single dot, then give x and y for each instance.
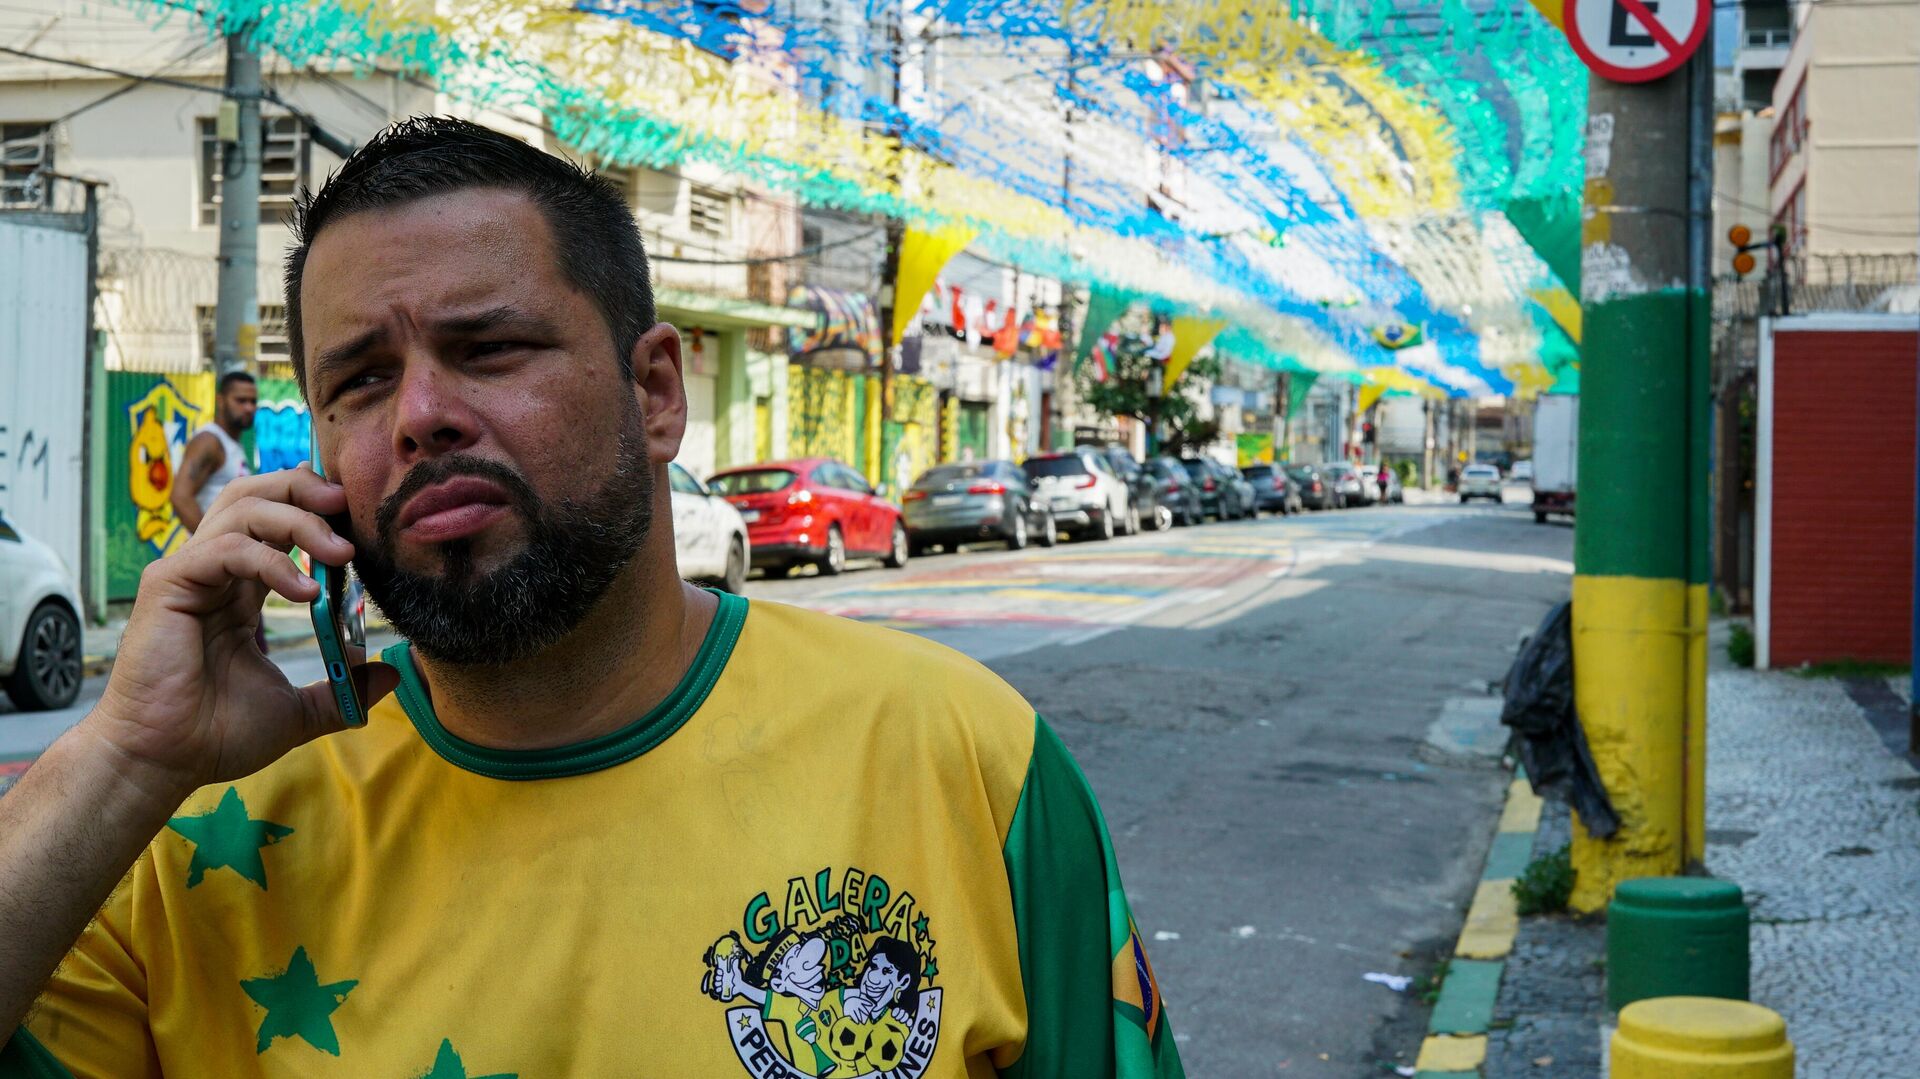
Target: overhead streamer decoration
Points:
(1227, 221)
(1104, 307)
(1190, 335)
(923, 253)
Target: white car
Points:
(1522, 472)
(40, 660)
(1480, 481)
(1088, 499)
(710, 538)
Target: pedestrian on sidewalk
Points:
(214, 457)
(601, 821)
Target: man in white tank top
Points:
(213, 457)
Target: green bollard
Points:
(1676, 937)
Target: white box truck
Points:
(1556, 446)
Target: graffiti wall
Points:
(1253, 448)
(150, 417)
(282, 437)
(827, 408)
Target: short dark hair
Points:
(594, 234)
(227, 380)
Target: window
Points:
(709, 212)
(1066, 464)
(285, 153)
(682, 481)
(656, 192)
(272, 345)
(757, 482)
(1789, 130)
(26, 150)
(949, 474)
(842, 477)
(1793, 217)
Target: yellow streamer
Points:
(1190, 335)
(922, 254)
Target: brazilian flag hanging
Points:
(1394, 336)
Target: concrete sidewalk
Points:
(1814, 810)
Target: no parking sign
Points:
(1636, 40)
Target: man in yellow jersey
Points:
(585, 831)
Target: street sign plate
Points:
(1636, 40)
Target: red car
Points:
(814, 510)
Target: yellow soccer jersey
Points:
(833, 850)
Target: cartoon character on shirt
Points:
(789, 983)
(879, 1009)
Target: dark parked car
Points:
(984, 500)
(1220, 488)
(1273, 490)
(1146, 492)
(1177, 490)
(1316, 492)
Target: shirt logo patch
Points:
(835, 979)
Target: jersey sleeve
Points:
(91, 1020)
(1093, 1004)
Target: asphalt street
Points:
(1259, 706)
(1270, 712)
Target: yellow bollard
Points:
(1700, 1038)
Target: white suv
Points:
(1087, 498)
(40, 660)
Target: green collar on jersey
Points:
(616, 747)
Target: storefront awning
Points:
(678, 305)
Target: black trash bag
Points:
(1546, 732)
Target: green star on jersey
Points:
(227, 838)
(447, 1065)
(297, 1005)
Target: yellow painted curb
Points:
(1452, 1053)
(1522, 813)
(1492, 922)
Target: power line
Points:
(100, 69)
(1811, 225)
(137, 83)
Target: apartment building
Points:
(153, 146)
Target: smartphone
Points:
(340, 625)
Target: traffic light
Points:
(1741, 237)
(1366, 433)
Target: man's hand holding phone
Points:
(191, 699)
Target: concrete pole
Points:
(1639, 594)
(236, 321)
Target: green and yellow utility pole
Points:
(1641, 530)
